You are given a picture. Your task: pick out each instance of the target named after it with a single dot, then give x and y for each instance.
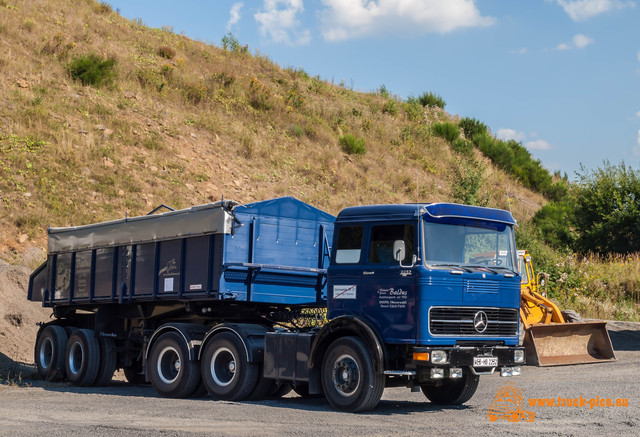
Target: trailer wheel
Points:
(107, 361)
(50, 352)
(452, 391)
(225, 369)
(171, 372)
(349, 380)
(82, 357)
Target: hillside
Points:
(184, 123)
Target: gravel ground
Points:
(124, 410)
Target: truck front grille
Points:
(459, 321)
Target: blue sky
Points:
(560, 76)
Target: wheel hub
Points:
(346, 375)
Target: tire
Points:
(262, 388)
(348, 377)
(82, 358)
(452, 391)
(107, 361)
(225, 370)
(571, 316)
(49, 353)
(171, 372)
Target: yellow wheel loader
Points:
(553, 337)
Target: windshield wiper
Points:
(455, 266)
(481, 267)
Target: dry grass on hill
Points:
(185, 123)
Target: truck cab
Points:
(439, 286)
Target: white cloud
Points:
(279, 21)
(580, 10)
(234, 14)
(510, 134)
(579, 41)
(537, 145)
(345, 19)
(638, 114)
(522, 51)
(638, 56)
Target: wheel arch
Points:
(250, 335)
(190, 333)
(344, 326)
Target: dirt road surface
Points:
(125, 410)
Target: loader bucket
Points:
(558, 344)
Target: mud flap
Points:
(558, 344)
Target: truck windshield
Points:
(469, 244)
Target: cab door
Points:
(345, 272)
(389, 285)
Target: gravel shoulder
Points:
(38, 408)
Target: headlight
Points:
(438, 357)
(506, 371)
(455, 372)
(518, 356)
(516, 371)
(437, 373)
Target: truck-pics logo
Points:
(507, 405)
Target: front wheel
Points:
(226, 372)
(452, 391)
(348, 377)
(171, 372)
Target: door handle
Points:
(368, 273)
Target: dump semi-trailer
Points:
(245, 301)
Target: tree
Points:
(607, 209)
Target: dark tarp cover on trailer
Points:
(213, 218)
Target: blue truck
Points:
(244, 302)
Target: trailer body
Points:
(247, 300)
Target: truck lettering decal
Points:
(344, 291)
(390, 298)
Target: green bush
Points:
(413, 109)
(467, 177)
(472, 127)
(93, 70)
(463, 147)
(391, 108)
(353, 145)
(431, 99)
(446, 130)
(553, 221)
(231, 44)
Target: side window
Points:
(349, 245)
(382, 239)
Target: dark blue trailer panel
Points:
(273, 252)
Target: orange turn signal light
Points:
(421, 356)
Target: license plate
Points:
(485, 361)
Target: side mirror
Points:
(399, 250)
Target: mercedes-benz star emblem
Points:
(480, 321)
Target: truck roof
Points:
(433, 210)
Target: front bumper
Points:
(462, 356)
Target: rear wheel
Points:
(226, 372)
(50, 352)
(107, 361)
(82, 357)
(452, 391)
(171, 372)
(348, 377)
